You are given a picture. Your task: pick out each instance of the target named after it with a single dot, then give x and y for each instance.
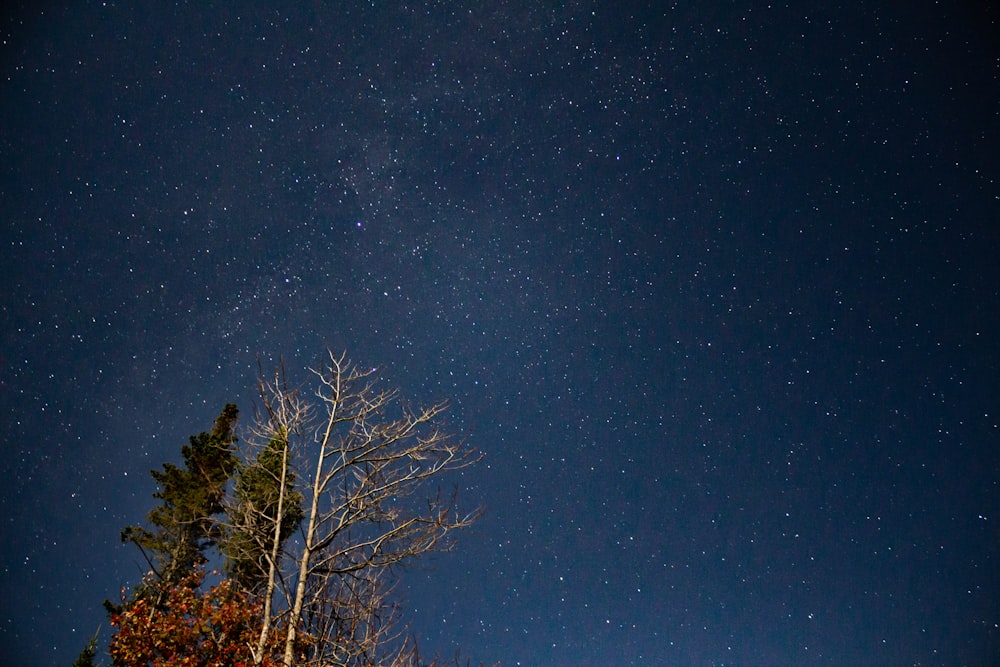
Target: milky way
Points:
(712, 288)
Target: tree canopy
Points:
(185, 524)
(346, 467)
(264, 495)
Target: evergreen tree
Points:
(88, 655)
(325, 602)
(259, 509)
(184, 524)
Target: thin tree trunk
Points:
(265, 631)
(310, 541)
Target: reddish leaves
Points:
(192, 628)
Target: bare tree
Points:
(266, 507)
(365, 458)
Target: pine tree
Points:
(88, 655)
(264, 496)
(185, 524)
(365, 461)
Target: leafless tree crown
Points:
(363, 463)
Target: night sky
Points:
(712, 285)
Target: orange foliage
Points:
(192, 628)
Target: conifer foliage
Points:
(258, 505)
(186, 523)
(343, 468)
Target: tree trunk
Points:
(272, 568)
(307, 550)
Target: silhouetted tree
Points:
(185, 524)
(89, 654)
(349, 465)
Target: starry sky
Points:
(712, 285)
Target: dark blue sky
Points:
(712, 285)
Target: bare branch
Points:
(366, 459)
